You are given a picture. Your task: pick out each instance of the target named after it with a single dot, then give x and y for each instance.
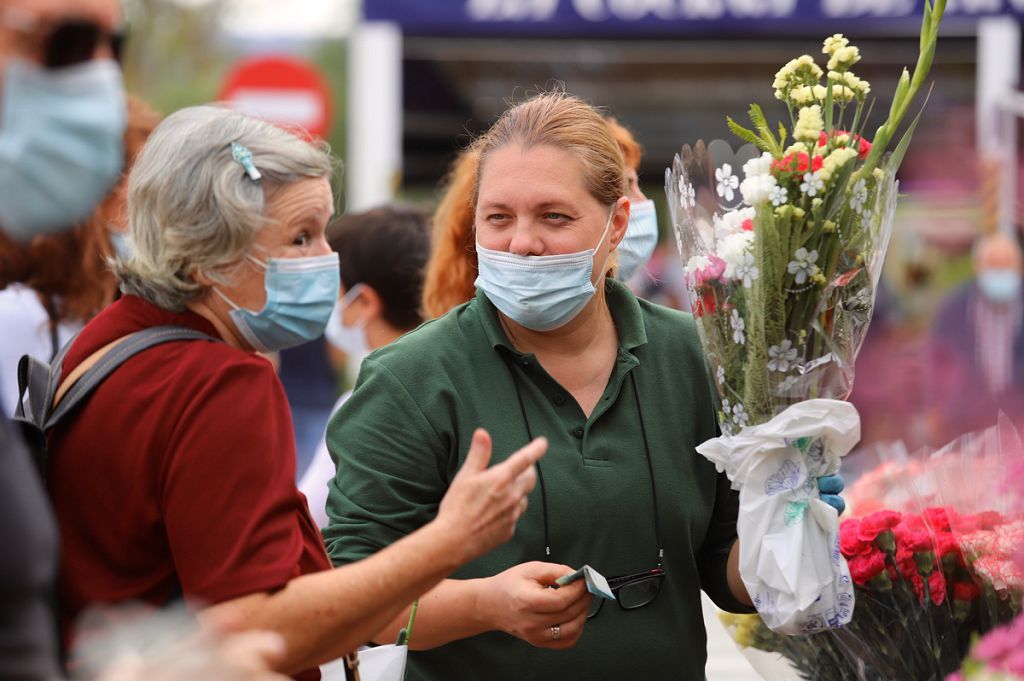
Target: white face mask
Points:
(539, 292)
(351, 340)
(641, 238)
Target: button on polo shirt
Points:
(403, 434)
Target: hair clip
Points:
(242, 154)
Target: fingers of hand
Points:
(523, 459)
(569, 632)
(479, 454)
(831, 484)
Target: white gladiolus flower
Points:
(757, 189)
(803, 265)
(733, 245)
(727, 183)
(732, 222)
(697, 263)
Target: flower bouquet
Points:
(782, 267)
(927, 581)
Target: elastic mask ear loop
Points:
(225, 298)
(607, 231)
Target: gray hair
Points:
(191, 206)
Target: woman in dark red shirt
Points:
(176, 476)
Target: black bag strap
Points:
(129, 347)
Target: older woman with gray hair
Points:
(175, 478)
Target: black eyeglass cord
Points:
(540, 474)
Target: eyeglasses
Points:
(63, 43)
(632, 591)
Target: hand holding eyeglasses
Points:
(520, 602)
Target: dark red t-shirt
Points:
(178, 472)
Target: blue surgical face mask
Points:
(301, 293)
(352, 339)
(641, 238)
(61, 143)
(1000, 285)
(540, 292)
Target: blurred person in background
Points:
(551, 344)
(452, 268)
(381, 254)
(53, 284)
(61, 132)
(977, 344)
(189, 445)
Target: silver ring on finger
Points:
(556, 631)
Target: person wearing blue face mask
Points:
(58, 83)
(977, 344)
(637, 246)
(551, 344)
(189, 444)
(382, 253)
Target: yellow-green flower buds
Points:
(809, 124)
(833, 43)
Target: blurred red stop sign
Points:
(282, 90)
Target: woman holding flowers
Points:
(550, 345)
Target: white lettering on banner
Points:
(591, 10)
(703, 9)
(511, 10)
(635, 10)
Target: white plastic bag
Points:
(381, 663)
(789, 538)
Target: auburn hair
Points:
(69, 269)
(544, 120)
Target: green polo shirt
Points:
(401, 437)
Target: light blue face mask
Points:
(637, 247)
(301, 294)
(1000, 285)
(540, 292)
(61, 143)
(121, 242)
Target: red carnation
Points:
(990, 519)
(748, 225)
(875, 523)
(797, 163)
(937, 518)
(706, 304)
(917, 542)
(866, 566)
(850, 542)
(965, 591)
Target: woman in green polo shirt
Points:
(550, 346)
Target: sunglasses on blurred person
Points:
(62, 42)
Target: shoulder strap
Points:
(90, 373)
